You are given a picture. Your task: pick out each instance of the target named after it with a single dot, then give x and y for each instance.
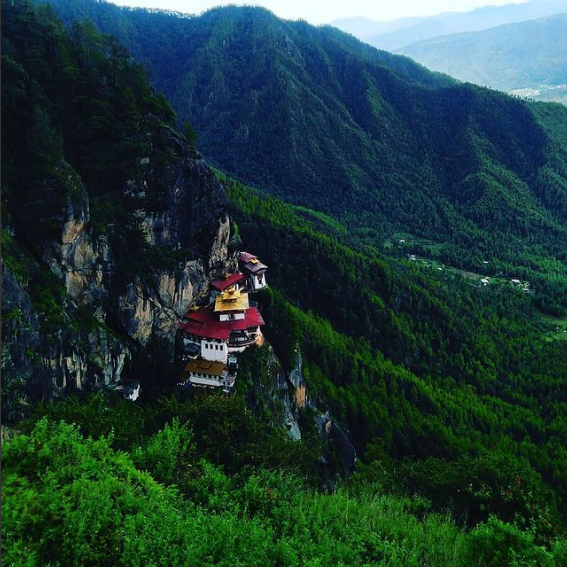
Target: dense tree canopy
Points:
(452, 391)
(467, 175)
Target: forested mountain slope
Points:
(327, 122)
(110, 221)
(417, 362)
(528, 57)
(452, 391)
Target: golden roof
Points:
(205, 367)
(231, 300)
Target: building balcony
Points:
(242, 341)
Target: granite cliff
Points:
(99, 330)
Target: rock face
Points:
(270, 390)
(107, 323)
(157, 309)
(23, 376)
(298, 384)
(112, 222)
(80, 258)
(328, 427)
(284, 396)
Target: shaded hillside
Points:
(529, 56)
(110, 220)
(325, 121)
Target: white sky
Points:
(324, 11)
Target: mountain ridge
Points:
(445, 23)
(512, 58)
(376, 140)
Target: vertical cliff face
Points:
(112, 222)
(268, 391)
(283, 397)
(79, 257)
(108, 313)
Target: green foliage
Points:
(16, 261)
(496, 543)
(70, 500)
(164, 451)
(102, 414)
(366, 138)
(235, 439)
(419, 363)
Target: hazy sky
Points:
(324, 11)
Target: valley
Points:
(385, 406)
(526, 59)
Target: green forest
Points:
(452, 391)
(417, 364)
(466, 174)
(170, 486)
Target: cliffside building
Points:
(210, 336)
(210, 374)
(254, 269)
(236, 280)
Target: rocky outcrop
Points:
(106, 326)
(185, 212)
(269, 390)
(101, 362)
(331, 430)
(112, 219)
(297, 383)
(145, 310)
(23, 376)
(286, 395)
(37, 365)
(218, 256)
(80, 258)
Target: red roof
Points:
(253, 318)
(246, 257)
(223, 283)
(204, 323)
